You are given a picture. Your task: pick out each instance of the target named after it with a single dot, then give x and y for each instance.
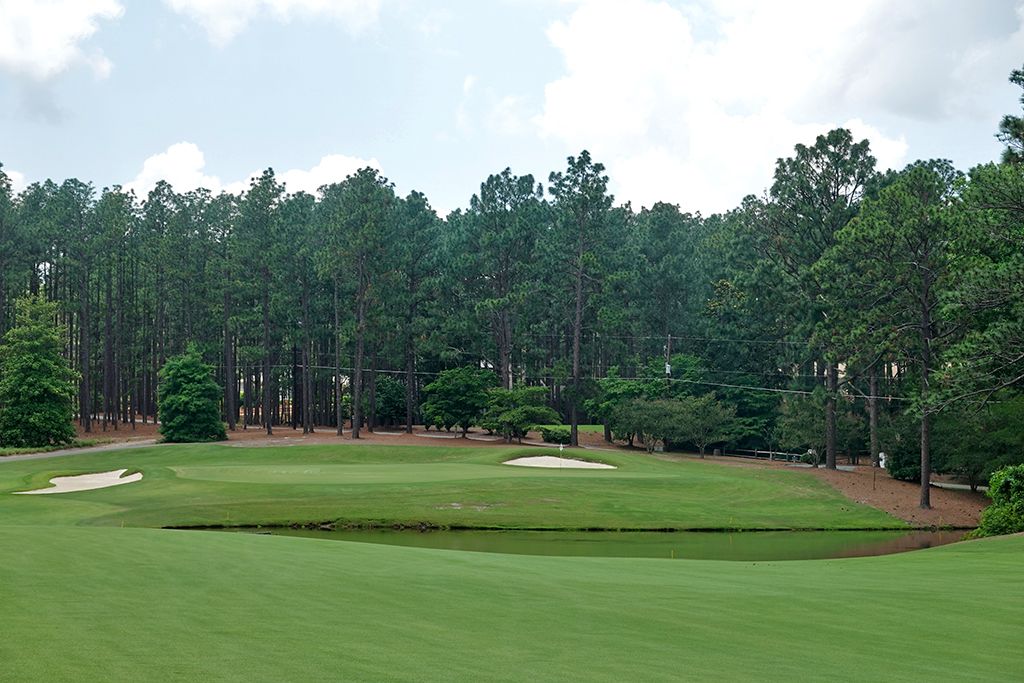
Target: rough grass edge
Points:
(77, 443)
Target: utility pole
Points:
(668, 366)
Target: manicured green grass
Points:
(215, 484)
(108, 604)
(82, 599)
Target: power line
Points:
(723, 385)
(679, 337)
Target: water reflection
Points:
(741, 546)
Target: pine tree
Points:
(36, 385)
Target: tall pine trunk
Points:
(230, 412)
(108, 353)
(85, 397)
(267, 409)
(357, 371)
(410, 379)
(337, 364)
(371, 422)
(503, 334)
(873, 413)
(307, 381)
(831, 382)
(927, 335)
(577, 332)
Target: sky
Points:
(685, 102)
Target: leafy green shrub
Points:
(1006, 486)
(1006, 513)
(553, 434)
(904, 464)
(189, 400)
(457, 398)
(1001, 519)
(36, 384)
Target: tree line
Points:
(844, 310)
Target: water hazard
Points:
(742, 546)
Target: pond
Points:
(743, 546)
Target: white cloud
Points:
(695, 104)
(331, 169)
(889, 152)
(224, 19)
(40, 39)
(508, 116)
(17, 179)
(183, 165)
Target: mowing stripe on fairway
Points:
(91, 604)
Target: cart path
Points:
(84, 450)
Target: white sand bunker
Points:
(555, 461)
(87, 482)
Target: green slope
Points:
(108, 604)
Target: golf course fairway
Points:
(83, 598)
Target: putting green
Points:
(209, 484)
(353, 474)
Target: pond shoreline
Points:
(431, 526)
(704, 545)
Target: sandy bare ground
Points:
(555, 462)
(86, 482)
(875, 487)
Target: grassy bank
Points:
(139, 604)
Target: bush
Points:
(36, 384)
(997, 520)
(189, 400)
(904, 464)
(1006, 513)
(1006, 486)
(457, 398)
(555, 434)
